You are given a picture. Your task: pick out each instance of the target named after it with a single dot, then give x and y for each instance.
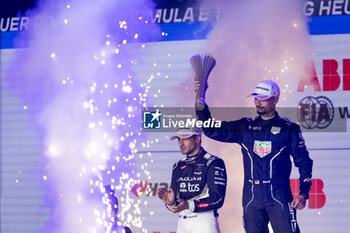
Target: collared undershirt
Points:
(268, 118)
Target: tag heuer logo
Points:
(151, 120)
(262, 148)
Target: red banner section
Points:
(317, 197)
(331, 76)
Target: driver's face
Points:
(189, 145)
(266, 107)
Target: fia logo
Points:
(315, 112)
(151, 119)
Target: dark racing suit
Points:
(266, 148)
(200, 180)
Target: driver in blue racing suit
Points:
(267, 143)
(198, 186)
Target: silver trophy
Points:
(202, 66)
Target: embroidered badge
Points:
(275, 130)
(262, 148)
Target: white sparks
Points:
(127, 89)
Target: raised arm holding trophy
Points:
(267, 142)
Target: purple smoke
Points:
(77, 81)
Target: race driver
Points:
(198, 185)
(267, 143)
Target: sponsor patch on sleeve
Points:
(203, 205)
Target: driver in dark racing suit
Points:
(198, 186)
(267, 143)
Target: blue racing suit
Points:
(266, 148)
(200, 180)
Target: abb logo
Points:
(317, 198)
(331, 77)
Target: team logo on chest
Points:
(262, 148)
(275, 130)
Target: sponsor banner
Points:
(326, 7)
(182, 21)
(328, 85)
(313, 114)
(194, 30)
(160, 16)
